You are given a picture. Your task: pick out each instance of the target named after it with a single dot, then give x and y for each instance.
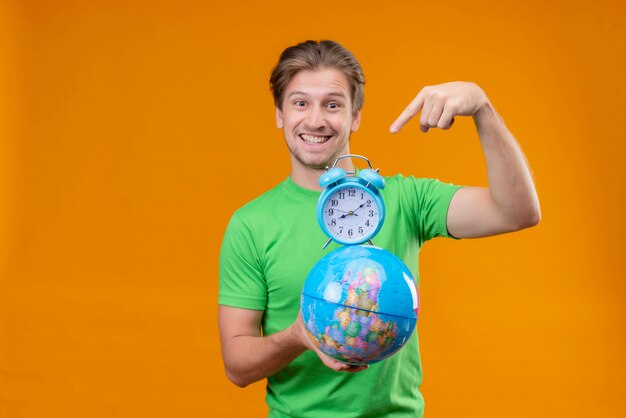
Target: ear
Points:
(356, 121)
(279, 118)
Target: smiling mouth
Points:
(314, 139)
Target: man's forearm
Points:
(249, 359)
(510, 180)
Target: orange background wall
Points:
(130, 131)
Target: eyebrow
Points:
(331, 94)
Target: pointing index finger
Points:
(411, 110)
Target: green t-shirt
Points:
(268, 249)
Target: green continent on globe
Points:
(353, 329)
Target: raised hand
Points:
(441, 103)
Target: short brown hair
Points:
(313, 55)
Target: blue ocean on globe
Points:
(359, 304)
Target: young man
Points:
(272, 242)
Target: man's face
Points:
(317, 118)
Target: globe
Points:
(359, 304)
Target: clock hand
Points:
(351, 213)
(363, 204)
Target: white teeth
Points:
(314, 139)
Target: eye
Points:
(299, 103)
(333, 105)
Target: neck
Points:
(308, 177)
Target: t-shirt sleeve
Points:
(430, 200)
(241, 282)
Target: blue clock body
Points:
(351, 210)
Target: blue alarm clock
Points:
(351, 210)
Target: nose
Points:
(315, 118)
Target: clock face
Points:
(351, 214)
